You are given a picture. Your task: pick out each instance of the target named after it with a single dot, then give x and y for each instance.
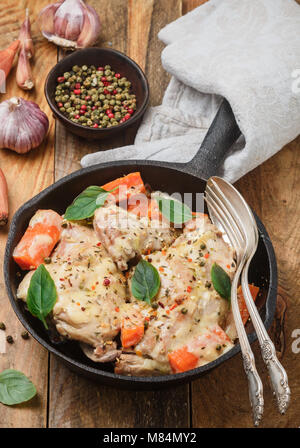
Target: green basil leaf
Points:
(175, 211)
(15, 387)
(41, 296)
(221, 281)
(145, 282)
(85, 205)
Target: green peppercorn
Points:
(184, 311)
(25, 335)
(203, 246)
(10, 339)
(102, 95)
(2, 326)
(47, 260)
(202, 263)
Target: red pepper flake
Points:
(117, 309)
(161, 269)
(106, 282)
(93, 288)
(78, 303)
(62, 279)
(189, 289)
(173, 306)
(228, 266)
(190, 260)
(206, 255)
(147, 318)
(168, 311)
(163, 252)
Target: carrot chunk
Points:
(39, 239)
(131, 335)
(129, 186)
(241, 301)
(181, 360)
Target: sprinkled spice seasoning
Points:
(95, 97)
(106, 282)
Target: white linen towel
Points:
(247, 51)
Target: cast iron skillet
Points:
(167, 177)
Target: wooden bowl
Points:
(99, 57)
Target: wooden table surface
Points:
(219, 399)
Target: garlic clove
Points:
(23, 125)
(70, 24)
(25, 36)
(90, 30)
(46, 19)
(24, 75)
(69, 19)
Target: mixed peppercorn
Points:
(95, 97)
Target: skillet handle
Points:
(221, 135)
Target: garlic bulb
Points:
(71, 24)
(23, 125)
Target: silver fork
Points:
(245, 222)
(222, 219)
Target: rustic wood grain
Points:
(75, 401)
(26, 175)
(219, 399)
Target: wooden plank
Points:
(74, 401)
(26, 176)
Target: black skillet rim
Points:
(129, 380)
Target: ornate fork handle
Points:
(254, 382)
(278, 375)
(255, 387)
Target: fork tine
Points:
(226, 212)
(223, 220)
(231, 209)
